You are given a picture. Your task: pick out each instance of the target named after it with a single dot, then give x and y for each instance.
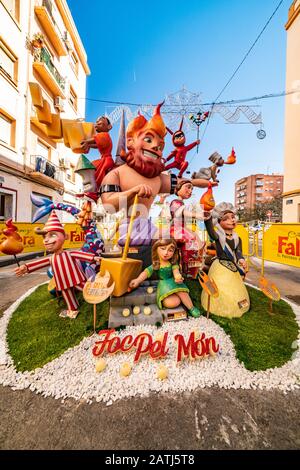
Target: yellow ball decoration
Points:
(125, 369)
(147, 311)
(136, 310)
(150, 290)
(162, 372)
(126, 312)
(100, 364)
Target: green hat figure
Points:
(86, 170)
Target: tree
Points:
(275, 206)
(245, 215)
(260, 211)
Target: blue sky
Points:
(141, 51)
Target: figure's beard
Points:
(144, 168)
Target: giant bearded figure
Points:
(142, 173)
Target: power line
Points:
(242, 100)
(247, 53)
(239, 66)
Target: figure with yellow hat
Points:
(67, 272)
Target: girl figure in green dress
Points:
(171, 291)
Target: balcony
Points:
(45, 172)
(259, 183)
(45, 68)
(294, 11)
(44, 12)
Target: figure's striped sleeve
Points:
(38, 264)
(82, 256)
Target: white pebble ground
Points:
(73, 374)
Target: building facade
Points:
(39, 43)
(256, 189)
(291, 195)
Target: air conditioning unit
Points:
(59, 103)
(68, 40)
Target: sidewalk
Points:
(286, 278)
(9, 259)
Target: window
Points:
(70, 174)
(43, 150)
(13, 8)
(8, 63)
(73, 98)
(6, 206)
(7, 129)
(74, 62)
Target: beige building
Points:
(39, 43)
(256, 189)
(291, 196)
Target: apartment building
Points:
(39, 43)
(255, 189)
(291, 195)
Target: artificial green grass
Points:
(261, 341)
(36, 334)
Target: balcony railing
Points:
(40, 164)
(42, 55)
(49, 7)
(46, 11)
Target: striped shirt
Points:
(67, 271)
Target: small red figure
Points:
(179, 153)
(102, 141)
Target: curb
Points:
(8, 260)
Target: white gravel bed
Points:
(73, 374)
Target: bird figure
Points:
(13, 244)
(231, 159)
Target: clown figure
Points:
(66, 268)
